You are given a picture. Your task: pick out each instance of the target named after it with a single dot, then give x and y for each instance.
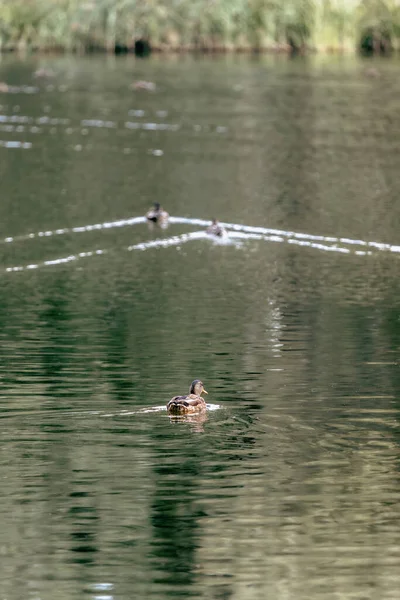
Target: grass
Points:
(81, 25)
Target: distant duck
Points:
(43, 72)
(149, 86)
(4, 87)
(157, 214)
(192, 403)
(372, 72)
(216, 229)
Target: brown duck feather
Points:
(190, 403)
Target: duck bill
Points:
(203, 391)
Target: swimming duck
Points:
(216, 229)
(43, 72)
(371, 72)
(157, 214)
(149, 86)
(192, 403)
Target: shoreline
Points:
(284, 49)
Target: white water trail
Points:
(237, 235)
(267, 233)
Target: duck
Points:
(157, 214)
(190, 404)
(149, 86)
(43, 72)
(216, 229)
(371, 72)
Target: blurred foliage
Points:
(85, 24)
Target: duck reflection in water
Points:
(176, 515)
(157, 215)
(195, 421)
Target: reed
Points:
(79, 25)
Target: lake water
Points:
(289, 487)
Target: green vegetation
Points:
(81, 25)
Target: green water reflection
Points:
(291, 488)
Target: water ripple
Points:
(237, 234)
(276, 235)
(15, 144)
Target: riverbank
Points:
(119, 49)
(196, 25)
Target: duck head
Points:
(197, 388)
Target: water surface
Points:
(290, 487)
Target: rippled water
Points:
(289, 486)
